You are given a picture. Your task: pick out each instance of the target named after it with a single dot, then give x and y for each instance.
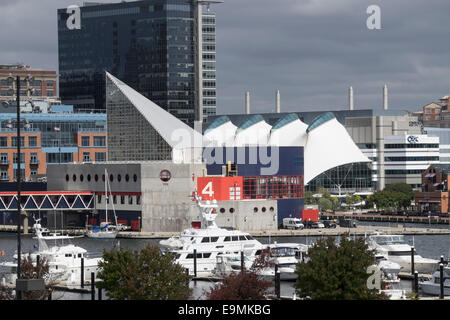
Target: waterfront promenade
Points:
(358, 231)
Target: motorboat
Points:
(209, 241)
(227, 264)
(397, 250)
(286, 256)
(432, 287)
(389, 269)
(64, 260)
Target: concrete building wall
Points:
(248, 215)
(167, 206)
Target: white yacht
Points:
(209, 241)
(64, 260)
(397, 250)
(286, 256)
(432, 287)
(231, 262)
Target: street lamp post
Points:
(18, 175)
(18, 293)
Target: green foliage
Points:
(309, 199)
(142, 275)
(246, 285)
(336, 272)
(324, 192)
(29, 271)
(325, 204)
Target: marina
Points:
(428, 245)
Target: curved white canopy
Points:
(289, 131)
(329, 145)
(220, 133)
(254, 132)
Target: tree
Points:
(28, 270)
(309, 199)
(324, 192)
(325, 204)
(336, 272)
(246, 285)
(143, 275)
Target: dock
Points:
(338, 231)
(362, 216)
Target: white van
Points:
(292, 223)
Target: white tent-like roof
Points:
(328, 145)
(254, 132)
(220, 133)
(288, 131)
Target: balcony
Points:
(34, 162)
(4, 162)
(4, 178)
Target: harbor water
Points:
(428, 246)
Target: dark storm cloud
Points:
(312, 50)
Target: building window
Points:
(32, 141)
(100, 156)
(138, 200)
(14, 141)
(22, 158)
(86, 157)
(274, 187)
(4, 175)
(85, 141)
(49, 83)
(34, 158)
(122, 199)
(99, 141)
(50, 93)
(3, 141)
(4, 158)
(64, 157)
(130, 199)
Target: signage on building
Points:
(220, 188)
(165, 175)
(413, 139)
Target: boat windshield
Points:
(389, 240)
(283, 252)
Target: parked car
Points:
(292, 223)
(329, 224)
(315, 225)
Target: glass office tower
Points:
(150, 45)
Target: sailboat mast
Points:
(106, 195)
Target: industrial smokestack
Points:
(350, 98)
(385, 97)
(247, 102)
(277, 101)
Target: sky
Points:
(311, 50)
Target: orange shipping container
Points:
(310, 215)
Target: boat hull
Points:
(433, 289)
(102, 235)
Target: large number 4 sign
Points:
(208, 189)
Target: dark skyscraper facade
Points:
(150, 45)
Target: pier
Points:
(361, 216)
(338, 231)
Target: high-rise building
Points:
(209, 64)
(151, 45)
